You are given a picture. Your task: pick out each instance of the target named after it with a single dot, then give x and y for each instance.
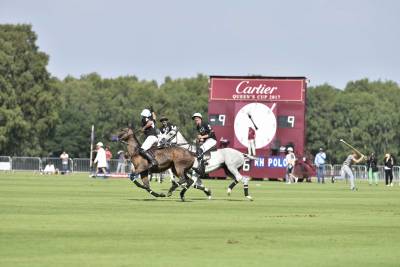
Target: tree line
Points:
(41, 115)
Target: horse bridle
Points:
(131, 134)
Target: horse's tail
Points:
(249, 156)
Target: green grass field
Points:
(79, 221)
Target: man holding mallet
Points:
(355, 157)
(346, 168)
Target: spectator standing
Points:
(64, 161)
(121, 162)
(389, 162)
(319, 162)
(372, 169)
(100, 158)
(108, 158)
(291, 162)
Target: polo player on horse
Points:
(168, 131)
(150, 132)
(206, 139)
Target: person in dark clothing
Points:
(206, 139)
(389, 162)
(372, 169)
(167, 131)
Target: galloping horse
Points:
(178, 159)
(228, 158)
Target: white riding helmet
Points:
(145, 113)
(197, 114)
(290, 149)
(100, 144)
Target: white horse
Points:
(228, 158)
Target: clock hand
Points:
(255, 126)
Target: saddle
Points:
(152, 150)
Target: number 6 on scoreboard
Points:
(246, 165)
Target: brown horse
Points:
(178, 159)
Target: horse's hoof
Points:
(209, 197)
(229, 191)
(250, 198)
(208, 192)
(162, 195)
(169, 194)
(182, 199)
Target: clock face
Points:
(263, 117)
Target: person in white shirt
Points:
(49, 169)
(291, 161)
(100, 158)
(64, 160)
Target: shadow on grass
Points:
(188, 199)
(142, 199)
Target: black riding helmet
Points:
(163, 119)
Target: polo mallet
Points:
(352, 147)
(255, 126)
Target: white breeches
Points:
(346, 170)
(209, 143)
(150, 140)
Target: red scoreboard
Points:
(274, 107)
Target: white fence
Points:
(360, 172)
(83, 165)
(37, 164)
(58, 164)
(26, 164)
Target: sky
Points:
(327, 41)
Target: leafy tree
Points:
(27, 99)
(362, 114)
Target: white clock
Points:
(256, 115)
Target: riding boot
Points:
(199, 153)
(201, 167)
(148, 157)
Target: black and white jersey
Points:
(150, 130)
(167, 128)
(205, 128)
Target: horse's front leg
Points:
(133, 176)
(185, 183)
(198, 184)
(146, 183)
(173, 187)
